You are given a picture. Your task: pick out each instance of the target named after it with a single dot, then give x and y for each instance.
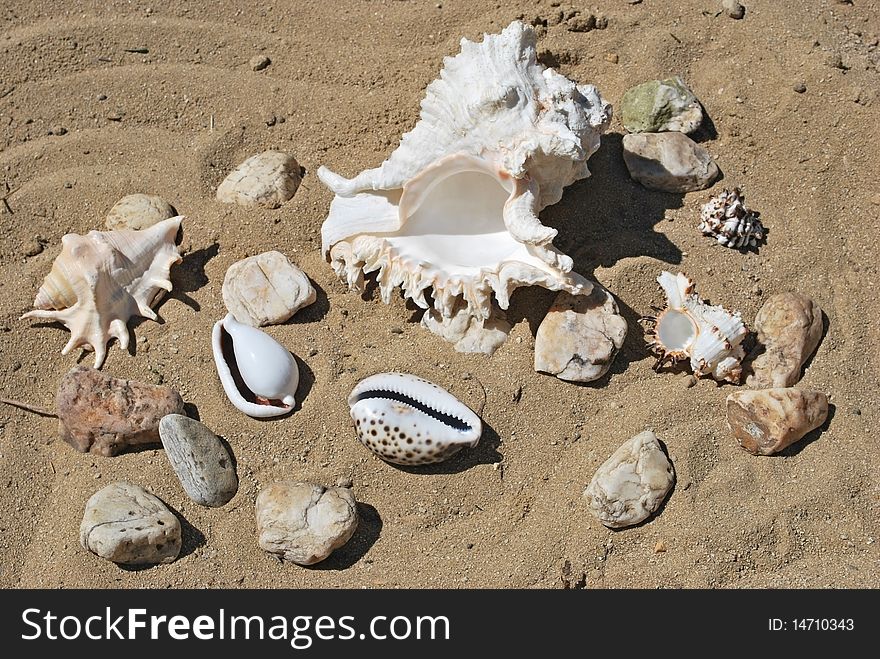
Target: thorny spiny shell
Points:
(409, 421)
(688, 328)
(726, 218)
(454, 209)
(102, 279)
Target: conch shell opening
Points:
(454, 209)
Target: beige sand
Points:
(346, 79)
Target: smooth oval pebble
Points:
(671, 162)
(200, 460)
(789, 327)
(266, 289)
(266, 179)
(630, 485)
(101, 414)
(303, 522)
(765, 421)
(138, 212)
(126, 524)
(580, 336)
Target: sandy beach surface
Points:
(345, 81)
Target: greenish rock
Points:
(658, 106)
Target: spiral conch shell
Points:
(688, 328)
(454, 209)
(102, 279)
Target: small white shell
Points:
(409, 421)
(726, 218)
(688, 328)
(258, 374)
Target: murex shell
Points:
(455, 207)
(688, 328)
(726, 218)
(409, 421)
(258, 374)
(102, 279)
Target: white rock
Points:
(580, 336)
(266, 289)
(138, 212)
(303, 522)
(266, 179)
(126, 524)
(632, 483)
(468, 334)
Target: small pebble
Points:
(734, 9)
(303, 522)
(612, 57)
(630, 485)
(267, 179)
(660, 547)
(57, 130)
(101, 97)
(259, 62)
(138, 211)
(601, 22)
(765, 421)
(200, 460)
(126, 524)
(800, 88)
(33, 248)
(688, 381)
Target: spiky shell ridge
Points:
(726, 218)
(716, 348)
(102, 279)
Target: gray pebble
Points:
(671, 162)
(200, 460)
(734, 9)
(800, 88)
(259, 62)
(57, 130)
(127, 525)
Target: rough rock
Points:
(200, 460)
(671, 162)
(266, 289)
(303, 522)
(632, 483)
(466, 333)
(267, 179)
(661, 105)
(580, 336)
(733, 9)
(104, 415)
(765, 421)
(789, 327)
(259, 62)
(138, 212)
(126, 524)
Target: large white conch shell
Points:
(455, 208)
(258, 374)
(102, 279)
(688, 328)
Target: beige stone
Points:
(580, 336)
(789, 328)
(126, 524)
(765, 421)
(266, 289)
(138, 212)
(303, 522)
(630, 485)
(267, 179)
